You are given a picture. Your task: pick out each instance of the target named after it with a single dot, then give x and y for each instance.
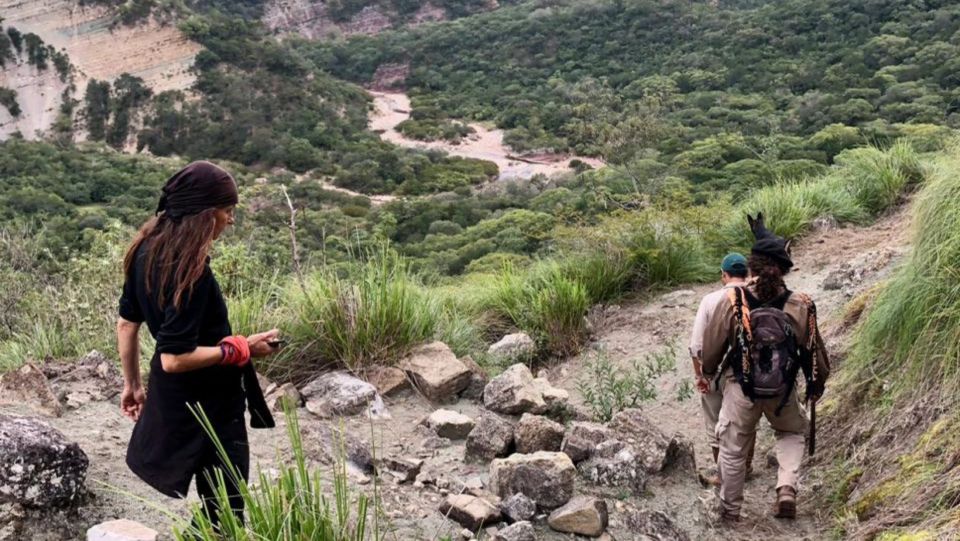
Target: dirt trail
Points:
(853, 258)
(863, 254)
(392, 108)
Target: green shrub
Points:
(608, 389)
(295, 503)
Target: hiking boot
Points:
(729, 517)
(786, 503)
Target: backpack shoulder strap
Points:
(741, 309)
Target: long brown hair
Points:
(176, 253)
(769, 277)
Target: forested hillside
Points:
(822, 114)
(720, 92)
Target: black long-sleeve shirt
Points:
(168, 442)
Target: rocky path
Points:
(832, 265)
(392, 108)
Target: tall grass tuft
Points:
(374, 318)
(544, 302)
(291, 506)
(911, 333)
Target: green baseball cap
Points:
(734, 262)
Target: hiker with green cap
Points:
(709, 344)
(775, 336)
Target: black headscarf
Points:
(769, 245)
(196, 188)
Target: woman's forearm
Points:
(201, 357)
(128, 345)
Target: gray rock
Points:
(29, 386)
(553, 396)
(537, 433)
(469, 511)
(514, 392)
(449, 424)
(491, 437)
(521, 531)
(544, 477)
(583, 515)
(615, 464)
(518, 508)
(437, 372)
(404, 469)
(653, 448)
(121, 530)
(39, 467)
(388, 380)
(582, 439)
(338, 394)
(284, 395)
(513, 347)
(655, 525)
(334, 444)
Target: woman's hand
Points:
(258, 343)
(131, 401)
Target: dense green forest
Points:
(718, 92)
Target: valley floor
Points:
(833, 265)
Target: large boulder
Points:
(513, 392)
(615, 464)
(491, 437)
(337, 394)
(544, 477)
(513, 347)
(437, 372)
(469, 511)
(537, 433)
(653, 448)
(583, 515)
(121, 530)
(449, 424)
(582, 439)
(39, 467)
(521, 531)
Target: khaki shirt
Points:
(717, 332)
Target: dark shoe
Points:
(728, 517)
(786, 503)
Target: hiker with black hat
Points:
(775, 336)
(198, 361)
(710, 340)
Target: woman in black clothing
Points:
(169, 285)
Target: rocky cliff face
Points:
(159, 54)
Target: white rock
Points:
(449, 424)
(338, 394)
(515, 346)
(121, 530)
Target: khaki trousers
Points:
(710, 405)
(737, 426)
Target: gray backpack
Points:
(769, 356)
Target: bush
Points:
(608, 389)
